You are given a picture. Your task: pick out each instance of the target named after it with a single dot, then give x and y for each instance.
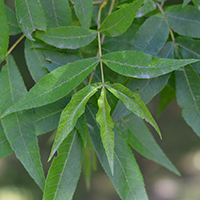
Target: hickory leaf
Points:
(65, 170)
(71, 37)
(106, 123)
(133, 102)
(55, 85)
(119, 21)
(30, 16)
(69, 116)
(138, 64)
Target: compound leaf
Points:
(71, 37)
(65, 170)
(138, 64)
(55, 85)
(119, 21)
(30, 16)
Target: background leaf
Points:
(149, 5)
(184, 21)
(19, 127)
(12, 21)
(71, 37)
(4, 33)
(188, 95)
(139, 137)
(185, 2)
(141, 65)
(65, 170)
(83, 10)
(58, 13)
(119, 21)
(127, 179)
(106, 123)
(30, 16)
(69, 116)
(152, 35)
(55, 85)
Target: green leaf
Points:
(189, 48)
(69, 116)
(30, 16)
(133, 102)
(46, 118)
(119, 21)
(187, 92)
(167, 51)
(149, 5)
(5, 148)
(81, 126)
(4, 33)
(167, 95)
(184, 21)
(19, 127)
(185, 2)
(152, 35)
(65, 170)
(106, 123)
(127, 179)
(197, 3)
(58, 13)
(35, 61)
(14, 28)
(141, 65)
(55, 85)
(71, 37)
(140, 138)
(83, 10)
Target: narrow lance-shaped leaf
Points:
(69, 116)
(106, 123)
(139, 137)
(133, 102)
(119, 21)
(58, 13)
(19, 127)
(4, 33)
(65, 170)
(71, 37)
(55, 85)
(138, 64)
(188, 96)
(30, 16)
(83, 10)
(127, 179)
(184, 21)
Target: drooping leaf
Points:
(106, 123)
(30, 16)
(189, 48)
(133, 102)
(19, 127)
(185, 2)
(152, 35)
(83, 10)
(188, 95)
(5, 148)
(71, 37)
(149, 5)
(4, 33)
(58, 13)
(140, 138)
(69, 116)
(119, 21)
(65, 170)
(138, 64)
(184, 21)
(46, 118)
(12, 21)
(35, 61)
(55, 85)
(127, 179)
